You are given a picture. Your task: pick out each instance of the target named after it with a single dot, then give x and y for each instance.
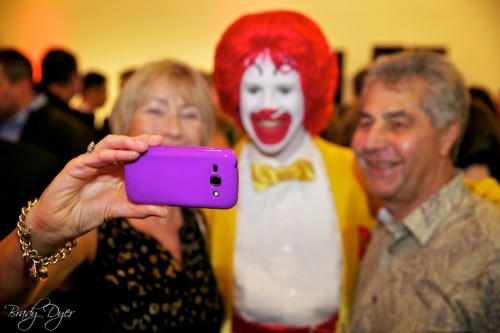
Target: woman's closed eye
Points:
(190, 112)
(154, 111)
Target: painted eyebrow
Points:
(278, 69)
(259, 68)
(261, 71)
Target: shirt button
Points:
(292, 292)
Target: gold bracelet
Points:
(38, 264)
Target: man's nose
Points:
(377, 137)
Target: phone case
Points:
(201, 177)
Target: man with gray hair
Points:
(433, 264)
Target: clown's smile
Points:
(270, 128)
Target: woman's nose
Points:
(172, 125)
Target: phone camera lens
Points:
(215, 181)
(215, 168)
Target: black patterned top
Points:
(141, 287)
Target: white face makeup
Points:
(272, 105)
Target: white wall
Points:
(112, 35)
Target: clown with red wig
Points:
(287, 255)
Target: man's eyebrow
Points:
(396, 114)
(388, 115)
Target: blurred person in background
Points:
(60, 83)
(94, 94)
(27, 117)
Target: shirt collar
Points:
(12, 129)
(423, 222)
(36, 104)
(39, 101)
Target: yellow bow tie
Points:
(265, 175)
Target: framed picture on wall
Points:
(382, 50)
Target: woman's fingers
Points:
(90, 189)
(143, 211)
(115, 149)
(120, 142)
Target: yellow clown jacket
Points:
(355, 211)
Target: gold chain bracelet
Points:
(38, 264)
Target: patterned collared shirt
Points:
(438, 270)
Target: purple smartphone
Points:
(202, 177)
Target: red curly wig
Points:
(291, 38)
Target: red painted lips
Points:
(270, 129)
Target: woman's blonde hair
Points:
(181, 79)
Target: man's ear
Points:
(449, 137)
(25, 84)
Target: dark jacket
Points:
(56, 132)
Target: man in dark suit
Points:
(25, 116)
(60, 82)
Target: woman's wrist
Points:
(40, 239)
(37, 249)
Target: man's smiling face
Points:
(396, 145)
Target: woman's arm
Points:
(87, 192)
